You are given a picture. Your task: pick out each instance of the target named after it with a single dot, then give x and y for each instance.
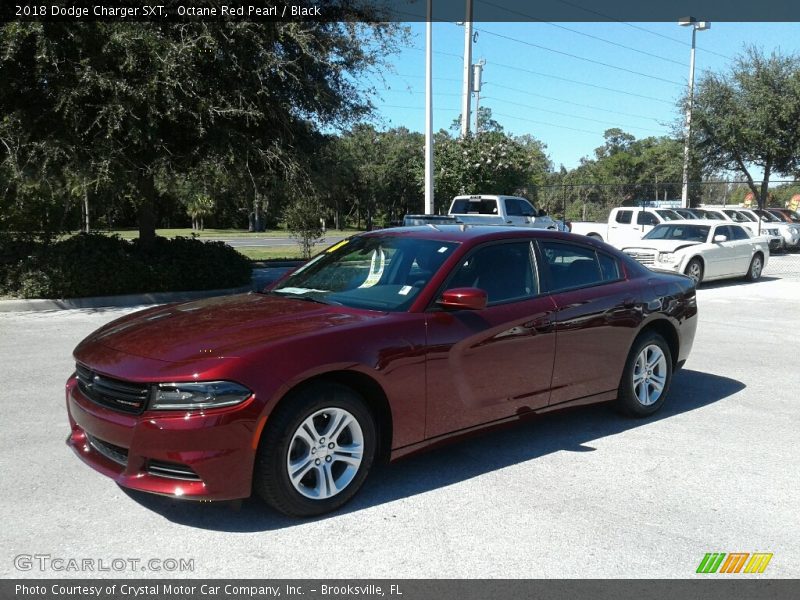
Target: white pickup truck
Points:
(510, 211)
(626, 224)
(499, 210)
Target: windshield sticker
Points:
(404, 290)
(376, 267)
(442, 249)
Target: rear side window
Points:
(738, 233)
(573, 266)
(624, 216)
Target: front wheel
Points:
(647, 375)
(694, 270)
(755, 269)
(316, 450)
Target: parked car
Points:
(790, 233)
(499, 210)
(772, 234)
(686, 213)
(702, 249)
(786, 215)
(382, 345)
(626, 224)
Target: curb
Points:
(31, 305)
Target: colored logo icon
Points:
(734, 562)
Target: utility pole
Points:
(477, 70)
(466, 92)
(429, 111)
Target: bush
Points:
(100, 265)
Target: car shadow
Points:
(727, 283)
(569, 430)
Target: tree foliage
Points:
(749, 116)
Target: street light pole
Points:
(429, 111)
(696, 26)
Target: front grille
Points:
(113, 453)
(112, 393)
(646, 258)
(171, 470)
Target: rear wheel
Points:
(695, 270)
(755, 269)
(647, 376)
(316, 451)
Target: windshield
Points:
(711, 214)
(669, 215)
(793, 216)
(373, 272)
(738, 217)
(689, 233)
(767, 216)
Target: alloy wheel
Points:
(649, 375)
(325, 453)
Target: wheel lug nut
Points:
(330, 445)
(313, 451)
(321, 440)
(317, 462)
(327, 459)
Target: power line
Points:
(545, 123)
(583, 33)
(555, 112)
(608, 110)
(593, 85)
(632, 26)
(583, 58)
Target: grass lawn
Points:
(133, 233)
(266, 253)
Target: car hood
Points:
(221, 327)
(661, 245)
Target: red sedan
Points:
(383, 344)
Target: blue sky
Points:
(558, 98)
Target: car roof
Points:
(464, 233)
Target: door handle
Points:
(542, 324)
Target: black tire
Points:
(271, 479)
(628, 400)
(695, 270)
(756, 267)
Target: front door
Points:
(484, 365)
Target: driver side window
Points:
(504, 271)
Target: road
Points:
(588, 493)
(330, 238)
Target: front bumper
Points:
(197, 455)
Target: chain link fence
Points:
(594, 201)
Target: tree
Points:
(748, 117)
(156, 100)
(302, 218)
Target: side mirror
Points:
(463, 299)
(720, 238)
(542, 212)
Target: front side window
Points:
(738, 233)
(513, 208)
(573, 266)
(646, 218)
(504, 271)
(373, 272)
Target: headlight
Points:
(207, 394)
(772, 232)
(667, 257)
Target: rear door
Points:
(596, 318)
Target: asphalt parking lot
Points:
(583, 494)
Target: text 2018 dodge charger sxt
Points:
(380, 346)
